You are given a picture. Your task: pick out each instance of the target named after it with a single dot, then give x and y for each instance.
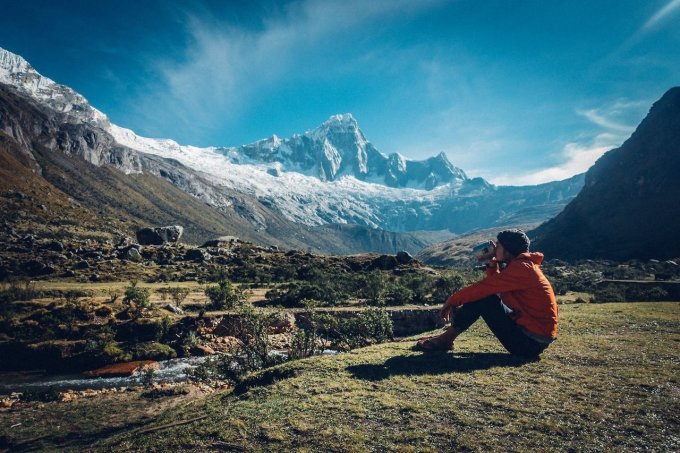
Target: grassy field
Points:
(610, 382)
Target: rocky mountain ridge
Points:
(280, 179)
(339, 148)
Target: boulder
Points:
(35, 268)
(384, 262)
(404, 257)
(123, 369)
(55, 246)
(171, 308)
(201, 350)
(132, 254)
(148, 236)
(197, 255)
(82, 265)
(281, 322)
(223, 241)
(159, 235)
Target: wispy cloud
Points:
(579, 155)
(655, 21)
(667, 10)
(224, 65)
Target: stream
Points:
(173, 370)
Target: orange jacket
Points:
(523, 288)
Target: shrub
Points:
(153, 351)
(373, 287)
(178, 295)
(307, 339)
(146, 377)
(253, 354)
(420, 287)
(640, 293)
(43, 396)
(398, 294)
(609, 294)
(373, 325)
(448, 284)
(136, 298)
(191, 339)
(225, 295)
(112, 352)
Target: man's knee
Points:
(487, 301)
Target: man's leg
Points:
(468, 313)
(511, 336)
(463, 318)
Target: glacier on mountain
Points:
(330, 174)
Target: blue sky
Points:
(518, 92)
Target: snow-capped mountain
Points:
(331, 174)
(338, 148)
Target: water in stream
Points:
(174, 370)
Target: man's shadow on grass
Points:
(436, 363)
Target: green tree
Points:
(136, 299)
(225, 295)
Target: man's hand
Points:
(490, 254)
(447, 311)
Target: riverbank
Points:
(609, 382)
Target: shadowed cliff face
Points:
(628, 207)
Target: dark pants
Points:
(503, 326)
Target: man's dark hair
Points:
(514, 241)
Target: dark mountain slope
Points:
(629, 206)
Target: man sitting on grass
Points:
(518, 303)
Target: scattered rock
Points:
(173, 309)
(35, 268)
(223, 241)
(55, 246)
(197, 255)
(82, 265)
(28, 239)
(132, 254)
(95, 278)
(16, 195)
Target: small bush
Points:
(136, 299)
(225, 295)
(43, 396)
(398, 294)
(153, 351)
(112, 352)
(448, 284)
(373, 287)
(609, 294)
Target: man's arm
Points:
(512, 279)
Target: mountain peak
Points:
(12, 62)
(18, 73)
(342, 118)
